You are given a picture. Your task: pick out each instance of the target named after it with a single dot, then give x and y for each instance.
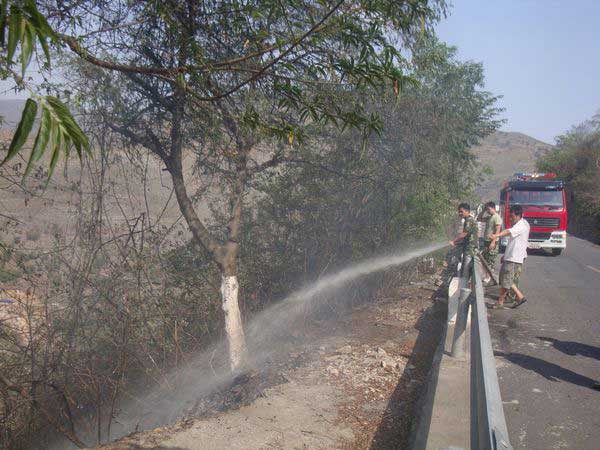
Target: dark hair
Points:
(464, 206)
(517, 210)
(490, 205)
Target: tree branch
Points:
(168, 74)
(151, 142)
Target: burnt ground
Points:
(354, 384)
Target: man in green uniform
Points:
(469, 238)
(493, 224)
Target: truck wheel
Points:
(556, 251)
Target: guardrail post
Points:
(456, 283)
(458, 342)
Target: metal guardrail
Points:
(488, 425)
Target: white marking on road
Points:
(536, 390)
(593, 268)
(511, 402)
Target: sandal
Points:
(517, 304)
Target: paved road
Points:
(548, 352)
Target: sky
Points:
(542, 56)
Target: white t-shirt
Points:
(516, 249)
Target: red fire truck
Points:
(543, 200)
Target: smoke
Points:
(266, 326)
(183, 388)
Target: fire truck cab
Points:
(543, 200)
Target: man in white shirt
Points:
(514, 256)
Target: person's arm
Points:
(513, 231)
(494, 239)
(501, 233)
(459, 238)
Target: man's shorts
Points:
(510, 273)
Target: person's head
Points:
(464, 210)
(515, 213)
(490, 207)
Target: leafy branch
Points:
(21, 26)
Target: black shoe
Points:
(517, 303)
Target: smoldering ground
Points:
(181, 393)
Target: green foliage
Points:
(576, 160)
(24, 25)
(23, 129)
(276, 64)
(58, 130)
(351, 196)
(222, 79)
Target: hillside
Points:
(134, 195)
(506, 153)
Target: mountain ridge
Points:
(506, 152)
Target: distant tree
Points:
(576, 160)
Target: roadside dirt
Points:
(354, 385)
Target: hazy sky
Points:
(543, 56)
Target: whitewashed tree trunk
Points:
(233, 322)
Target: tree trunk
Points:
(233, 321)
(225, 255)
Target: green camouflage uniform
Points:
(470, 244)
(471, 240)
(488, 254)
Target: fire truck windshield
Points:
(536, 198)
